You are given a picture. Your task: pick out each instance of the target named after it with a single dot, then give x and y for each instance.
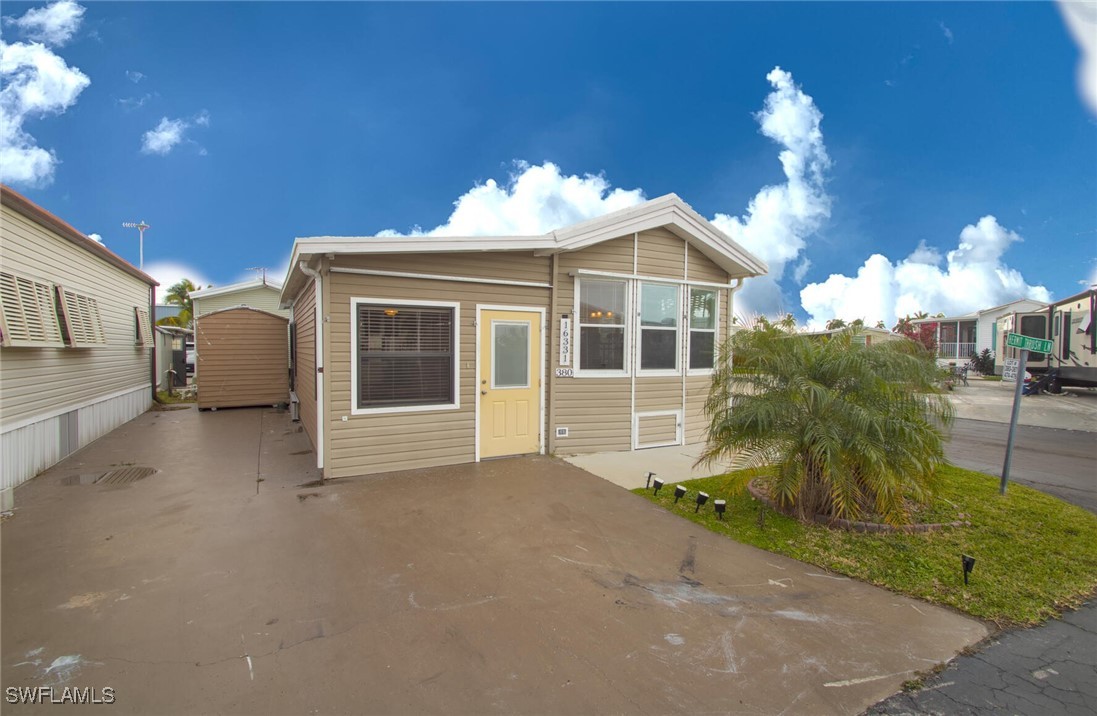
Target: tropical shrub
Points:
(849, 430)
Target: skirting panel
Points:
(28, 450)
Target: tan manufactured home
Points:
(422, 351)
(260, 293)
(76, 340)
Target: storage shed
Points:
(422, 351)
(242, 358)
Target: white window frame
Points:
(640, 328)
(35, 304)
(626, 328)
(715, 330)
(144, 337)
(452, 305)
(529, 353)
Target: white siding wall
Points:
(107, 384)
(265, 298)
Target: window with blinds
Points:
(405, 355)
(28, 314)
(80, 316)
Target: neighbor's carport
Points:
(243, 358)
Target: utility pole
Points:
(140, 226)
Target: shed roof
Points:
(21, 204)
(668, 212)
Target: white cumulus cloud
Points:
(95, 237)
(535, 200)
(780, 218)
(134, 76)
(1081, 20)
(52, 25)
(169, 133)
(972, 277)
(36, 83)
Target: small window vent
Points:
(561, 432)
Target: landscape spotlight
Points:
(969, 564)
(657, 483)
(702, 498)
(679, 492)
(720, 506)
(650, 475)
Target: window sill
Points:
(663, 373)
(406, 409)
(601, 374)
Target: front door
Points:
(510, 382)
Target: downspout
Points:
(318, 338)
(152, 319)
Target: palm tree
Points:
(788, 323)
(835, 323)
(179, 295)
(846, 432)
(881, 324)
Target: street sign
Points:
(1009, 369)
(1028, 343)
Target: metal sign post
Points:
(1013, 420)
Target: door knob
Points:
(483, 392)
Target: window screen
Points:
(702, 329)
(405, 356)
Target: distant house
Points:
(76, 340)
(866, 336)
(171, 342)
(960, 337)
(260, 293)
(423, 351)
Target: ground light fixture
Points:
(702, 498)
(650, 475)
(657, 484)
(679, 492)
(969, 564)
(720, 506)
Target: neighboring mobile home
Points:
(76, 340)
(260, 293)
(421, 351)
(961, 337)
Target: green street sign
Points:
(1028, 343)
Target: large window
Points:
(702, 328)
(601, 317)
(659, 318)
(405, 356)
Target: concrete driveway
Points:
(523, 585)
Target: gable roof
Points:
(22, 205)
(668, 212)
(235, 288)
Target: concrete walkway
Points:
(226, 583)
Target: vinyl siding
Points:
(702, 268)
(653, 430)
(382, 442)
(661, 253)
(265, 299)
(35, 382)
(304, 314)
(511, 266)
(241, 359)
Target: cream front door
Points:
(510, 383)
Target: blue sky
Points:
(233, 128)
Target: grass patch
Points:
(995, 378)
(1035, 555)
(163, 398)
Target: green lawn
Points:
(1035, 555)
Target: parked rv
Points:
(1069, 325)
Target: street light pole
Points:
(140, 226)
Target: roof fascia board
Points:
(233, 288)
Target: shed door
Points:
(510, 383)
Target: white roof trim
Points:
(666, 211)
(233, 288)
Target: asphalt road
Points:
(1059, 462)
